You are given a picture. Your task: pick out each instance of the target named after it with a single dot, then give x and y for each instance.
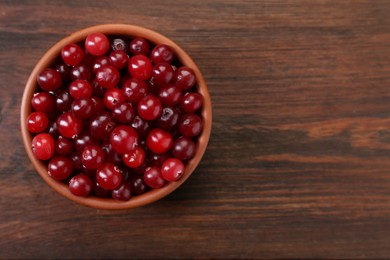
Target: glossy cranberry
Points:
(101, 125)
(81, 71)
(43, 102)
(72, 54)
(98, 105)
(140, 67)
(119, 59)
(139, 46)
(83, 140)
(141, 169)
(64, 101)
(53, 130)
(98, 191)
(97, 91)
(157, 159)
(80, 89)
(97, 44)
(99, 62)
(134, 158)
(64, 71)
(92, 157)
(80, 185)
(153, 178)
(108, 176)
(43, 146)
(191, 102)
(134, 89)
(123, 192)
(162, 74)
(172, 169)
(75, 157)
(137, 184)
(113, 97)
(107, 76)
(170, 95)
(83, 108)
(161, 53)
(123, 113)
(149, 108)
(110, 155)
(184, 78)
(37, 122)
(168, 118)
(141, 126)
(152, 86)
(64, 146)
(123, 139)
(190, 125)
(159, 141)
(60, 168)
(69, 125)
(119, 44)
(183, 148)
(49, 79)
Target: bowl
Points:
(130, 31)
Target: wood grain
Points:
(298, 165)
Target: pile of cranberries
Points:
(115, 117)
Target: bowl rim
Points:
(129, 31)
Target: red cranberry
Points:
(113, 97)
(123, 139)
(137, 184)
(110, 155)
(140, 67)
(141, 126)
(98, 105)
(139, 46)
(80, 89)
(99, 62)
(183, 148)
(83, 108)
(97, 44)
(72, 54)
(80, 185)
(101, 125)
(92, 157)
(37, 122)
(191, 102)
(170, 95)
(69, 125)
(159, 141)
(119, 44)
(53, 130)
(76, 160)
(162, 74)
(107, 76)
(172, 169)
(98, 191)
(60, 168)
(108, 176)
(63, 145)
(49, 80)
(134, 158)
(161, 53)
(81, 71)
(134, 89)
(168, 118)
(64, 71)
(157, 159)
(149, 108)
(153, 177)
(43, 102)
(184, 78)
(43, 146)
(190, 125)
(123, 113)
(119, 59)
(63, 101)
(83, 140)
(123, 192)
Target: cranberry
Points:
(141, 169)
(98, 191)
(153, 177)
(69, 125)
(113, 97)
(190, 125)
(37, 122)
(134, 158)
(184, 78)
(107, 76)
(101, 125)
(83, 108)
(170, 95)
(139, 46)
(137, 184)
(81, 71)
(149, 108)
(123, 113)
(64, 101)
(134, 89)
(43, 146)
(123, 139)
(97, 44)
(157, 159)
(183, 148)
(76, 160)
(83, 140)
(108, 176)
(80, 89)
(119, 44)
(80, 185)
(162, 73)
(191, 102)
(99, 62)
(72, 54)
(172, 169)
(98, 105)
(49, 79)
(64, 71)
(141, 126)
(110, 155)
(119, 59)
(92, 157)
(63, 145)
(60, 168)
(168, 118)
(123, 192)
(43, 102)
(53, 130)
(140, 67)
(159, 141)
(161, 53)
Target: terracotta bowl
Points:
(127, 31)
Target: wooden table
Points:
(298, 164)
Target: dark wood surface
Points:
(298, 165)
